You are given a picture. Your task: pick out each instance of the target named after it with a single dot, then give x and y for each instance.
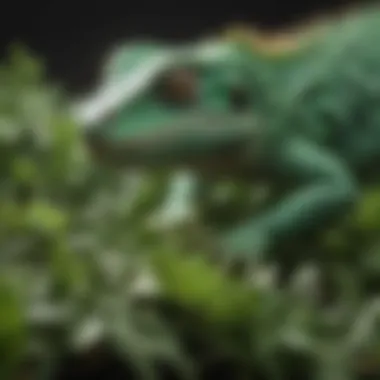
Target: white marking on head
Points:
(109, 97)
(125, 90)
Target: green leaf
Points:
(13, 332)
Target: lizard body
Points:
(310, 119)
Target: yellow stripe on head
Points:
(273, 44)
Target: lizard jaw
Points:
(185, 143)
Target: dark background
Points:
(72, 38)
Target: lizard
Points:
(180, 205)
(308, 120)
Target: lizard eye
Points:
(239, 98)
(178, 86)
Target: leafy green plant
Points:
(67, 242)
(73, 243)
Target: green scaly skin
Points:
(310, 120)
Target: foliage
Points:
(73, 242)
(67, 245)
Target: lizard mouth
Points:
(182, 142)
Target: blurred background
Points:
(73, 37)
(87, 291)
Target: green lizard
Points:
(309, 122)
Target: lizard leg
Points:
(324, 190)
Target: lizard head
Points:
(166, 106)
